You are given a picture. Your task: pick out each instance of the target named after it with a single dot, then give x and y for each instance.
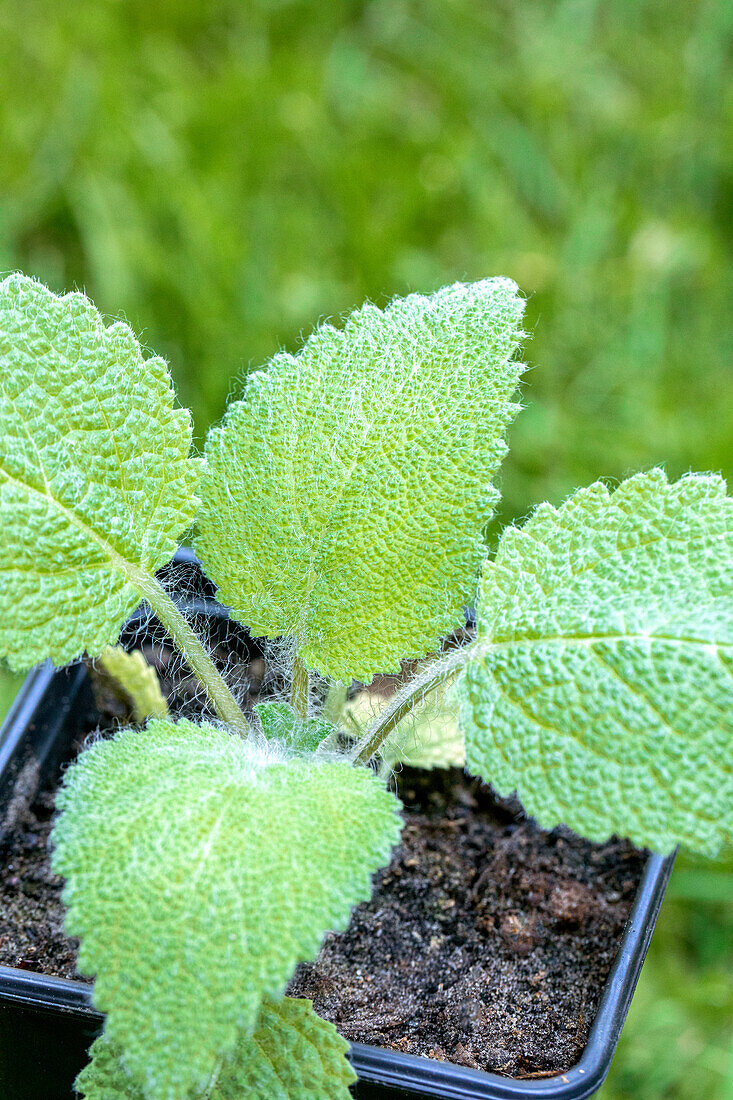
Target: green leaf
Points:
(292, 1055)
(138, 680)
(374, 448)
(603, 686)
(281, 723)
(200, 870)
(96, 482)
(428, 737)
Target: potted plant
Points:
(339, 509)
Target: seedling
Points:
(339, 508)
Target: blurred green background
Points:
(225, 174)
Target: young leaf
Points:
(138, 680)
(374, 450)
(292, 1055)
(96, 482)
(604, 690)
(201, 869)
(281, 723)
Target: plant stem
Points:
(403, 701)
(300, 689)
(190, 645)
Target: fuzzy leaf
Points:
(96, 482)
(281, 723)
(428, 737)
(375, 448)
(138, 680)
(604, 692)
(200, 870)
(292, 1055)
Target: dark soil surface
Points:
(31, 911)
(487, 941)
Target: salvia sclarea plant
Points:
(339, 506)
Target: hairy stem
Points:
(300, 688)
(403, 701)
(190, 645)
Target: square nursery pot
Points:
(48, 1024)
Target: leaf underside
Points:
(200, 870)
(95, 473)
(344, 497)
(292, 1055)
(603, 692)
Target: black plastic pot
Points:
(47, 1024)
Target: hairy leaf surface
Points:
(604, 692)
(96, 482)
(138, 680)
(345, 496)
(200, 870)
(291, 1055)
(281, 723)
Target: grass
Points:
(224, 174)
(677, 1039)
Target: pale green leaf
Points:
(200, 870)
(345, 496)
(138, 680)
(292, 1055)
(281, 723)
(428, 737)
(96, 482)
(602, 689)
